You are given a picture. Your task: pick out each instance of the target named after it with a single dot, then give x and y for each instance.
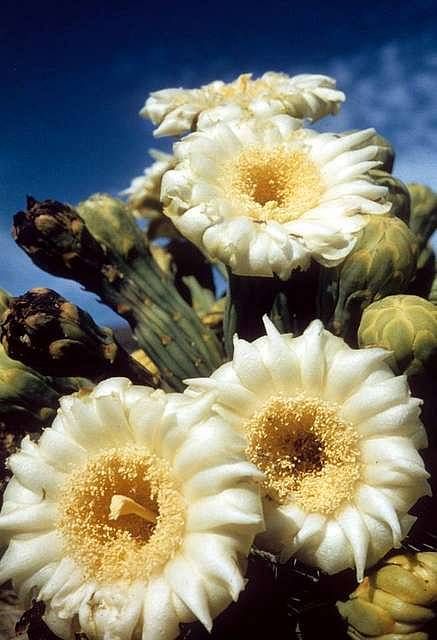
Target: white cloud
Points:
(394, 89)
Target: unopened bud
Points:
(405, 325)
(54, 336)
(394, 602)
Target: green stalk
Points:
(104, 250)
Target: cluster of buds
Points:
(395, 601)
(45, 331)
(383, 262)
(406, 325)
(28, 397)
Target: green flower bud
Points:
(382, 263)
(112, 225)
(52, 335)
(398, 193)
(405, 325)
(106, 252)
(423, 220)
(393, 602)
(28, 399)
(57, 240)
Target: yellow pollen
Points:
(242, 90)
(122, 515)
(273, 184)
(309, 456)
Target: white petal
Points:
(280, 358)
(334, 176)
(339, 144)
(36, 581)
(310, 353)
(216, 559)
(250, 368)
(118, 612)
(371, 399)
(216, 479)
(210, 443)
(81, 423)
(403, 498)
(355, 530)
(35, 517)
(237, 509)
(349, 369)
(401, 419)
(184, 579)
(134, 394)
(312, 532)
(396, 449)
(193, 223)
(333, 554)
(25, 556)
(228, 388)
(67, 577)
(282, 524)
(160, 621)
(350, 159)
(146, 419)
(60, 451)
(36, 475)
(381, 537)
(372, 501)
(399, 473)
(115, 430)
(117, 387)
(16, 493)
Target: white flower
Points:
(266, 196)
(127, 520)
(144, 191)
(177, 111)
(336, 434)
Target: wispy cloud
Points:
(394, 89)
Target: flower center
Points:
(309, 455)
(274, 184)
(121, 516)
(242, 90)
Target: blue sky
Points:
(75, 74)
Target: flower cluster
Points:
(272, 434)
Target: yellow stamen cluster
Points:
(242, 90)
(122, 516)
(278, 184)
(309, 456)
